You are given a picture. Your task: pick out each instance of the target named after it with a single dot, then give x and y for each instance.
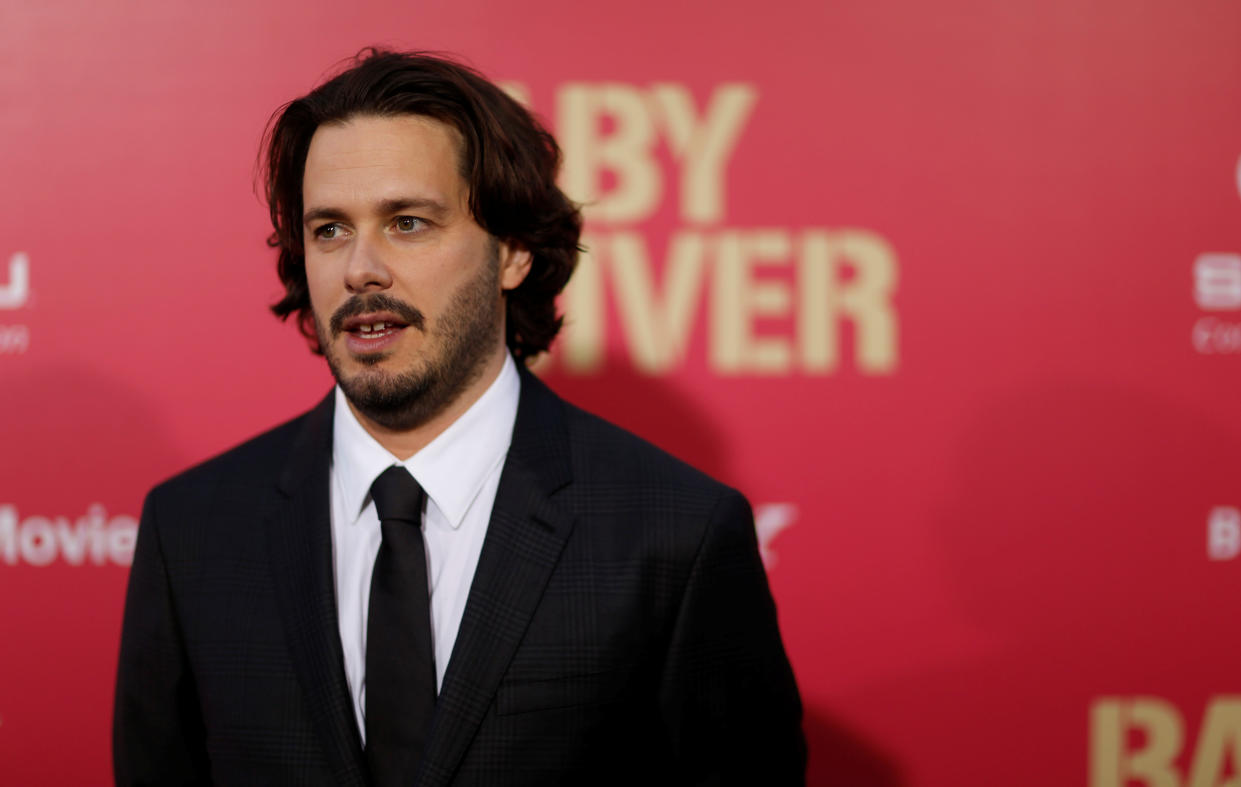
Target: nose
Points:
(367, 270)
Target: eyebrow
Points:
(436, 208)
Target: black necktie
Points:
(400, 664)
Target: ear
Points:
(514, 266)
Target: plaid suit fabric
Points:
(619, 628)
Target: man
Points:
(443, 574)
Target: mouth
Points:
(373, 332)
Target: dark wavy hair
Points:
(508, 160)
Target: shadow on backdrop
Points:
(841, 758)
(74, 440)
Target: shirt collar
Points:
(451, 468)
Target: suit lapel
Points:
(300, 546)
(523, 543)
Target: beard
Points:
(466, 335)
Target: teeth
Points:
(379, 326)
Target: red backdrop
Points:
(952, 291)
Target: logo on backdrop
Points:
(1224, 534)
(14, 294)
(769, 520)
(92, 539)
(1217, 282)
(1143, 741)
(1217, 288)
(776, 298)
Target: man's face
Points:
(405, 286)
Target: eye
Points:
(408, 224)
(328, 232)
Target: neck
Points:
(405, 443)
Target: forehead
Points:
(369, 157)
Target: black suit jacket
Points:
(619, 629)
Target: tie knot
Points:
(397, 496)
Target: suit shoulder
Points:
(256, 460)
(606, 453)
(633, 495)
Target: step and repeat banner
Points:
(951, 291)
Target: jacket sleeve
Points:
(728, 697)
(157, 729)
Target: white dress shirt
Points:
(460, 472)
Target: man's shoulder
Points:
(625, 485)
(605, 454)
(258, 461)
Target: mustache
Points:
(375, 302)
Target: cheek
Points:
(428, 280)
(318, 283)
